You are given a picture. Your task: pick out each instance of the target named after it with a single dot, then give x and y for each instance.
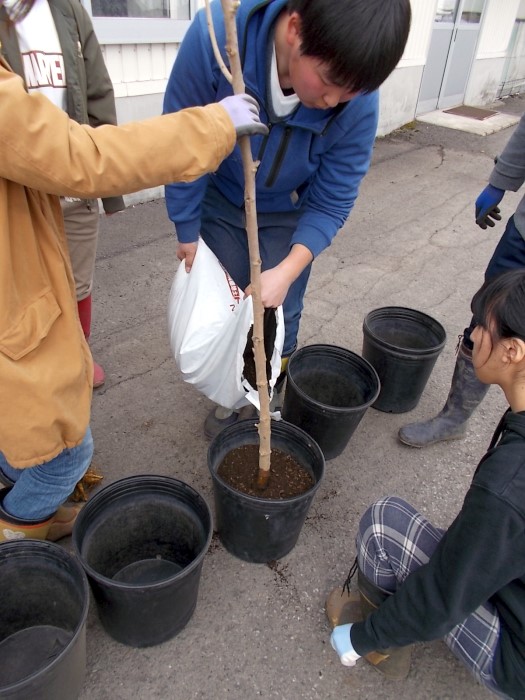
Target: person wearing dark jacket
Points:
(466, 391)
(465, 585)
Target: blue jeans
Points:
(39, 491)
(508, 255)
(223, 229)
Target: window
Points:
(169, 9)
(141, 21)
(445, 11)
(471, 11)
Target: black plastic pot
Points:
(328, 391)
(43, 609)
(142, 541)
(403, 346)
(255, 529)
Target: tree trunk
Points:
(229, 8)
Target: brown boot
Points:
(11, 530)
(343, 607)
(53, 529)
(394, 662)
(62, 522)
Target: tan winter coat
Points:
(45, 364)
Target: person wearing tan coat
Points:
(58, 37)
(46, 368)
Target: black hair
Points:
(361, 41)
(499, 305)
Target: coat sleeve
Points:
(509, 171)
(44, 149)
(336, 185)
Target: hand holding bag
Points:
(209, 324)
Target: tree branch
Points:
(229, 8)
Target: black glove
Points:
(487, 210)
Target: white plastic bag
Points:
(208, 322)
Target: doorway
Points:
(452, 49)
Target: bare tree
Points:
(229, 8)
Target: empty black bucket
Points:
(256, 529)
(43, 609)
(327, 393)
(403, 346)
(142, 541)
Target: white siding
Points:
(499, 66)
(139, 69)
(423, 12)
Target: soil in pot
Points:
(257, 528)
(288, 478)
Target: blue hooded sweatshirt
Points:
(312, 161)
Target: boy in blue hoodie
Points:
(315, 67)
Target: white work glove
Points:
(340, 640)
(243, 110)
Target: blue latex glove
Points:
(340, 640)
(243, 110)
(487, 208)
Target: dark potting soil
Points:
(270, 331)
(287, 477)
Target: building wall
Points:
(488, 68)
(514, 71)
(139, 73)
(140, 70)
(399, 93)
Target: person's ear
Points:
(514, 350)
(293, 28)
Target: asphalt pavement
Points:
(260, 631)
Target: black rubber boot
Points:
(392, 663)
(466, 393)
